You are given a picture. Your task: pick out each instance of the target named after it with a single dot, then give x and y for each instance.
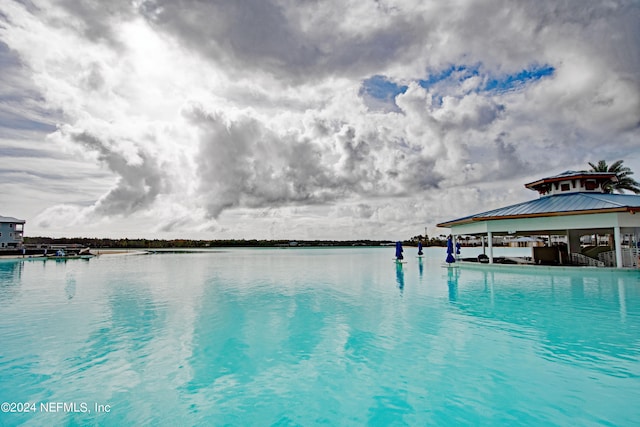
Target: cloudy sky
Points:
(303, 119)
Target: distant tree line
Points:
(440, 240)
(189, 243)
(93, 242)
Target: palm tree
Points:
(625, 182)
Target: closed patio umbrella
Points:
(450, 257)
(399, 251)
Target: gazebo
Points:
(571, 204)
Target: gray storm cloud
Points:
(241, 162)
(296, 41)
(200, 108)
(141, 177)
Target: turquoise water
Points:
(290, 337)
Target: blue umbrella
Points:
(420, 248)
(458, 245)
(399, 251)
(450, 257)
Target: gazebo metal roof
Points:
(562, 204)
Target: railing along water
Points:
(629, 257)
(580, 259)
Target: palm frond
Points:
(624, 182)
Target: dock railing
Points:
(579, 259)
(629, 258)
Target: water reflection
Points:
(10, 270)
(256, 348)
(320, 338)
(118, 348)
(10, 274)
(453, 274)
(622, 300)
(70, 287)
(577, 317)
(400, 276)
(288, 328)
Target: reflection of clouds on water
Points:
(118, 349)
(555, 308)
(246, 336)
(302, 318)
(70, 287)
(289, 328)
(622, 301)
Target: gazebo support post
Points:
(617, 237)
(453, 240)
(490, 242)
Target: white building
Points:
(11, 230)
(571, 205)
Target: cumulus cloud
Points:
(334, 117)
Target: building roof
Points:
(566, 175)
(561, 204)
(11, 219)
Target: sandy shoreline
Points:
(100, 252)
(107, 251)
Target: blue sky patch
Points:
(381, 89)
(513, 81)
(455, 73)
(500, 83)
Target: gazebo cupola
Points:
(573, 182)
